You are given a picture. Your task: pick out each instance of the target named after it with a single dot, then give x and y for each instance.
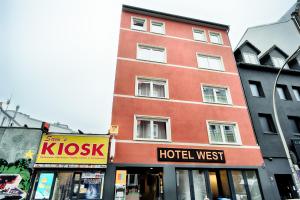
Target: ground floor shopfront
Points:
(182, 182)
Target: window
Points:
(278, 61)
(157, 27)
(296, 91)
(149, 128)
(152, 88)
(250, 57)
(283, 92)
(256, 89)
(239, 184)
(223, 133)
(149, 53)
(215, 38)
(138, 24)
(210, 62)
(266, 123)
(199, 35)
(215, 95)
(294, 124)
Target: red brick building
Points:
(184, 128)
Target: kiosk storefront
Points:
(70, 167)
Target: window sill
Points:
(164, 62)
(217, 43)
(270, 133)
(218, 70)
(152, 140)
(228, 104)
(157, 33)
(233, 144)
(200, 40)
(260, 97)
(137, 29)
(152, 97)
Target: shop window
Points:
(253, 185)
(44, 186)
(210, 62)
(152, 128)
(223, 133)
(138, 24)
(199, 185)
(152, 88)
(183, 185)
(219, 184)
(239, 185)
(216, 95)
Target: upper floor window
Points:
(157, 27)
(152, 88)
(278, 61)
(266, 123)
(294, 124)
(215, 38)
(138, 24)
(283, 92)
(199, 35)
(210, 62)
(256, 89)
(250, 57)
(296, 91)
(215, 95)
(150, 53)
(149, 128)
(223, 133)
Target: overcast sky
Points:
(57, 57)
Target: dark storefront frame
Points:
(169, 178)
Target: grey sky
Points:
(57, 58)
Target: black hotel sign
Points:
(190, 155)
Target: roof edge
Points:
(174, 17)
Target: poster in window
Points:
(44, 186)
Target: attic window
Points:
(138, 24)
(250, 57)
(278, 61)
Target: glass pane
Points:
(203, 61)
(90, 186)
(199, 185)
(138, 24)
(225, 184)
(157, 27)
(215, 38)
(281, 93)
(44, 186)
(221, 95)
(250, 58)
(229, 133)
(278, 62)
(239, 185)
(183, 185)
(215, 63)
(143, 129)
(160, 131)
(208, 94)
(253, 185)
(215, 133)
(144, 52)
(157, 55)
(254, 90)
(143, 89)
(62, 187)
(296, 93)
(158, 90)
(264, 124)
(199, 35)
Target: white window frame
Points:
(228, 93)
(221, 39)
(236, 131)
(199, 29)
(163, 27)
(150, 79)
(209, 55)
(152, 118)
(256, 58)
(275, 61)
(139, 18)
(151, 46)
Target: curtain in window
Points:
(143, 129)
(183, 185)
(158, 90)
(253, 185)
(215, 63)
(209, 94)
(203, 61)
(144, 89)
(239, 185)
(221, 95)
(215, 133)
(229, 134)
(199, 185)
(157, 54)
(160, 127)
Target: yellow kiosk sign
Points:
(73, 149)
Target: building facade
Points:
(259, 59)
(184, 127)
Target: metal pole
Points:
(280, 132)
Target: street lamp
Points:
(287, 152)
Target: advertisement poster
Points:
(9, 187)
(69, 149)
(43, 189)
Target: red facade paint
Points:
(185, 108)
